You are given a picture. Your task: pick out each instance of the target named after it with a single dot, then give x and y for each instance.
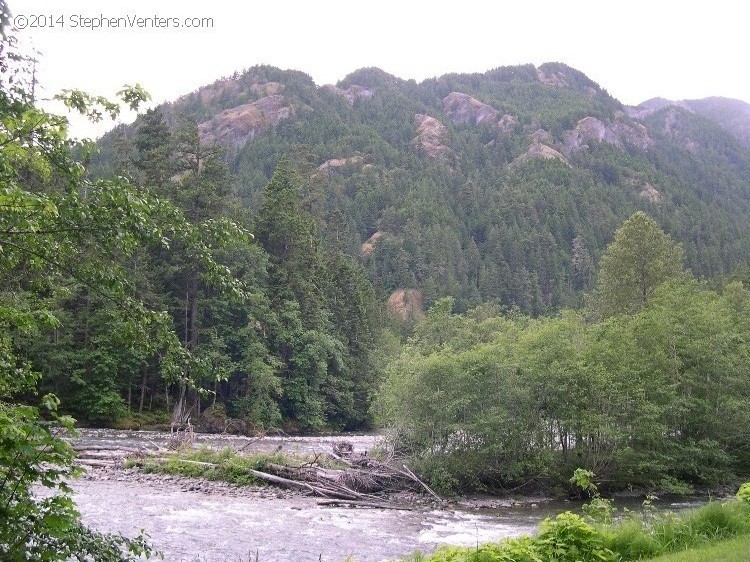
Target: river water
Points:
(196, 521)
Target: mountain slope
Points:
(505, 185)
(730, 114)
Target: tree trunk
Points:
(144, 381)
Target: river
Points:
(192, 520)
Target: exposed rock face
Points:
(431, 135)
(552, 79)
(209, 93)
(672, 124)
(653, 105)
(352, 93)
(539, 150)
(334, 163)
(507, 123)
(267, 88)
(618, 133)
(368, 247)
(462, 108)
(234, 127)
(540, 135)
(406, 304)
(649, 192)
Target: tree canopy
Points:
(640, 258)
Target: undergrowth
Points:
(598, 537)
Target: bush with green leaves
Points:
(644, 399)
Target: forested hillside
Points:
(503, 186)
(371, 195)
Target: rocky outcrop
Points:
(618, 133)
(406, 304)
(552, 78)
(267, 88)
(352, 93)
(462, 108)
(368, 246)
(234, 127)
(431, 136)
(539, 151)
(230, 88)
(218, 89)
(649, 192)
(335, 163)
(649, 107)
(673, 125)
(542, 136)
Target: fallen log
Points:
(425, 486)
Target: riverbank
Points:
(200, 520)
(597, 536)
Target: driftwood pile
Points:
(363, 482)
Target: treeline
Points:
(294, 351)
(646, 386)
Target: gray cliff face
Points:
(462, 108)
(431, 136)
(620, 133)
(234, 127)
(352, 93)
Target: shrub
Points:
(568, 538)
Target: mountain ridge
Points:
(480, 183)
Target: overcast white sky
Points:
(636, 49)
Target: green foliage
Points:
(568, 537)
(67, 246)
(224, 465)
(640, 258)
(644, 399)
(635, 539)
(735, 549)
(744, 492)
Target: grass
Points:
(638, 538)
(735, 550)
(229, 466)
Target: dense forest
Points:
(503, 187)
(290, 239)
(294, 350)
(647, 386)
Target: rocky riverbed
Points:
(196, 520)
(192, 519)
